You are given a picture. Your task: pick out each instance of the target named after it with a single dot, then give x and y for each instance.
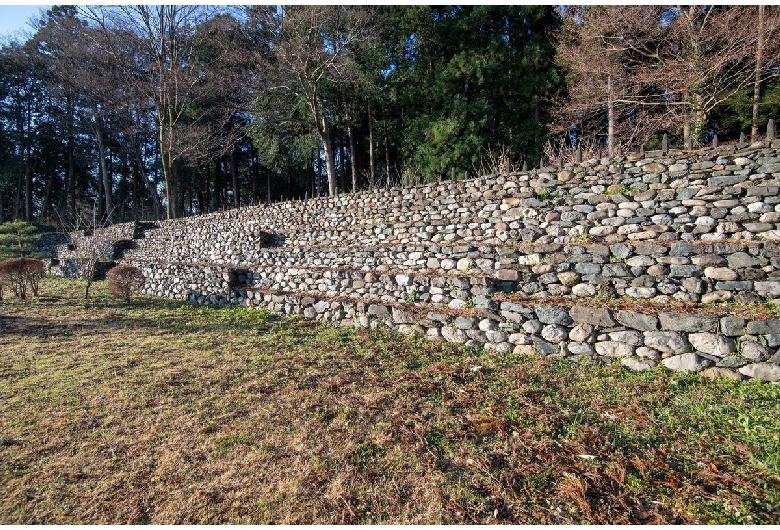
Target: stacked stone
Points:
(680, 227)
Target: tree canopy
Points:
(143, 112)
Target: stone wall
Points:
(650, 260)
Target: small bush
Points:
(123, 280)
(20, 273)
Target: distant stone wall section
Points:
(542, 261)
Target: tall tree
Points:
(164, 71)
(313, 54)
(471, 79)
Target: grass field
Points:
(159, 412)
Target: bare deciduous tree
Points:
(664, 64)
(164, 69)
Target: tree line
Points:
(150, 112)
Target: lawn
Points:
(159, 412)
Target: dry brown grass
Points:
(152, 412)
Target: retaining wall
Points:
(575, 262)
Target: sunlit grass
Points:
(160, 412)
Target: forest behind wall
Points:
(150, 112)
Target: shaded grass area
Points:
(158, 412)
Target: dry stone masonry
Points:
(642, 259)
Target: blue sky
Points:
(13, 18)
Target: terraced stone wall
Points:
(651, 260)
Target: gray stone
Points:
(687, 362)
(477, 335)
(667, 341)
(634, 338)
(763, 327)
(732, 326)
(403, 280)
(380, 311)
(583, 290)
(685, 271)
(507, 275)
(637, 365)
(581, 333)
(532, 327)
(401, 316)
(595, 316)
(694, 285)
(712, 343)
(411, 329)
(568, 278)
(545, 348)
(726, 180)
(716, 296)
(499, 347)
(717, 372)
(462, 322)
(648, 353)
(453, 334)
(734, 286)
(732, 361)
(614, 349)
(720, 273)
(439, 317)
(554, 333)
(579, 348)
(753, 351)
(487, 324)
(519, 338)
(762, 371)
(741, 260)
(634, 320)
(496, 336)
(690, 323)
(321, 306)
(770, 288)
(553, 315)
(641, 292)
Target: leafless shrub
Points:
(123, 280)
(495, 162)
(21, 273)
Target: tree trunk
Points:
(169, 174)
(372, 161)
(69, 186)
(216, 199)
(330, 165)
(387, 157)
(45, 203)
(109, 204)
(18, 197)
(234, 175)
(28, 189)
(255, 178)
(352, 156)
(156, 204)
(759, 66)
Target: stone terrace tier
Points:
(683, 228)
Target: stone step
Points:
(717, 345)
